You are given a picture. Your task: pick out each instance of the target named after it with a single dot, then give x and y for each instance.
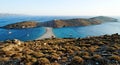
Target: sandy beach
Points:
(48, 34)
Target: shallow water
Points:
(94, 30)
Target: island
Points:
(78, 22)
(105, 19)
(61, 23)
(70, 23)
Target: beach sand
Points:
(48, 34)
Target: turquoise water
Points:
(95, 30)
(68, 32)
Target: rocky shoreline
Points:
(99, 50)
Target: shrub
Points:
(54, 57)
(38, 54)
(55, 63)
(64, 59)
(115, 57)
(77, 61)
(84, 54)
(43, 61)
(96, 57)
(86, 57)
(4, 58)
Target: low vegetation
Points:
(101, 50)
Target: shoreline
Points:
(48, 34)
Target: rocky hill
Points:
(70, 22)
(24, 24)
(78, 22)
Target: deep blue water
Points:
(34, 33)
(21, 34)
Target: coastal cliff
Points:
(62, 23)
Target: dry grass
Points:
(62, 51)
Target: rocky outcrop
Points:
(20, 25)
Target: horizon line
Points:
(51, 15)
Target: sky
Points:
(61, 7)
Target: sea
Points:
(66, 32)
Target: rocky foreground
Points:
(101, 50)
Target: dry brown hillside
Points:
(70, 22)
(101, 50)
(78, 22)
(24, 24)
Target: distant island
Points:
(105, 19)
(8, 14)
(5, 14)
(61, 23)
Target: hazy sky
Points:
(61, 7)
